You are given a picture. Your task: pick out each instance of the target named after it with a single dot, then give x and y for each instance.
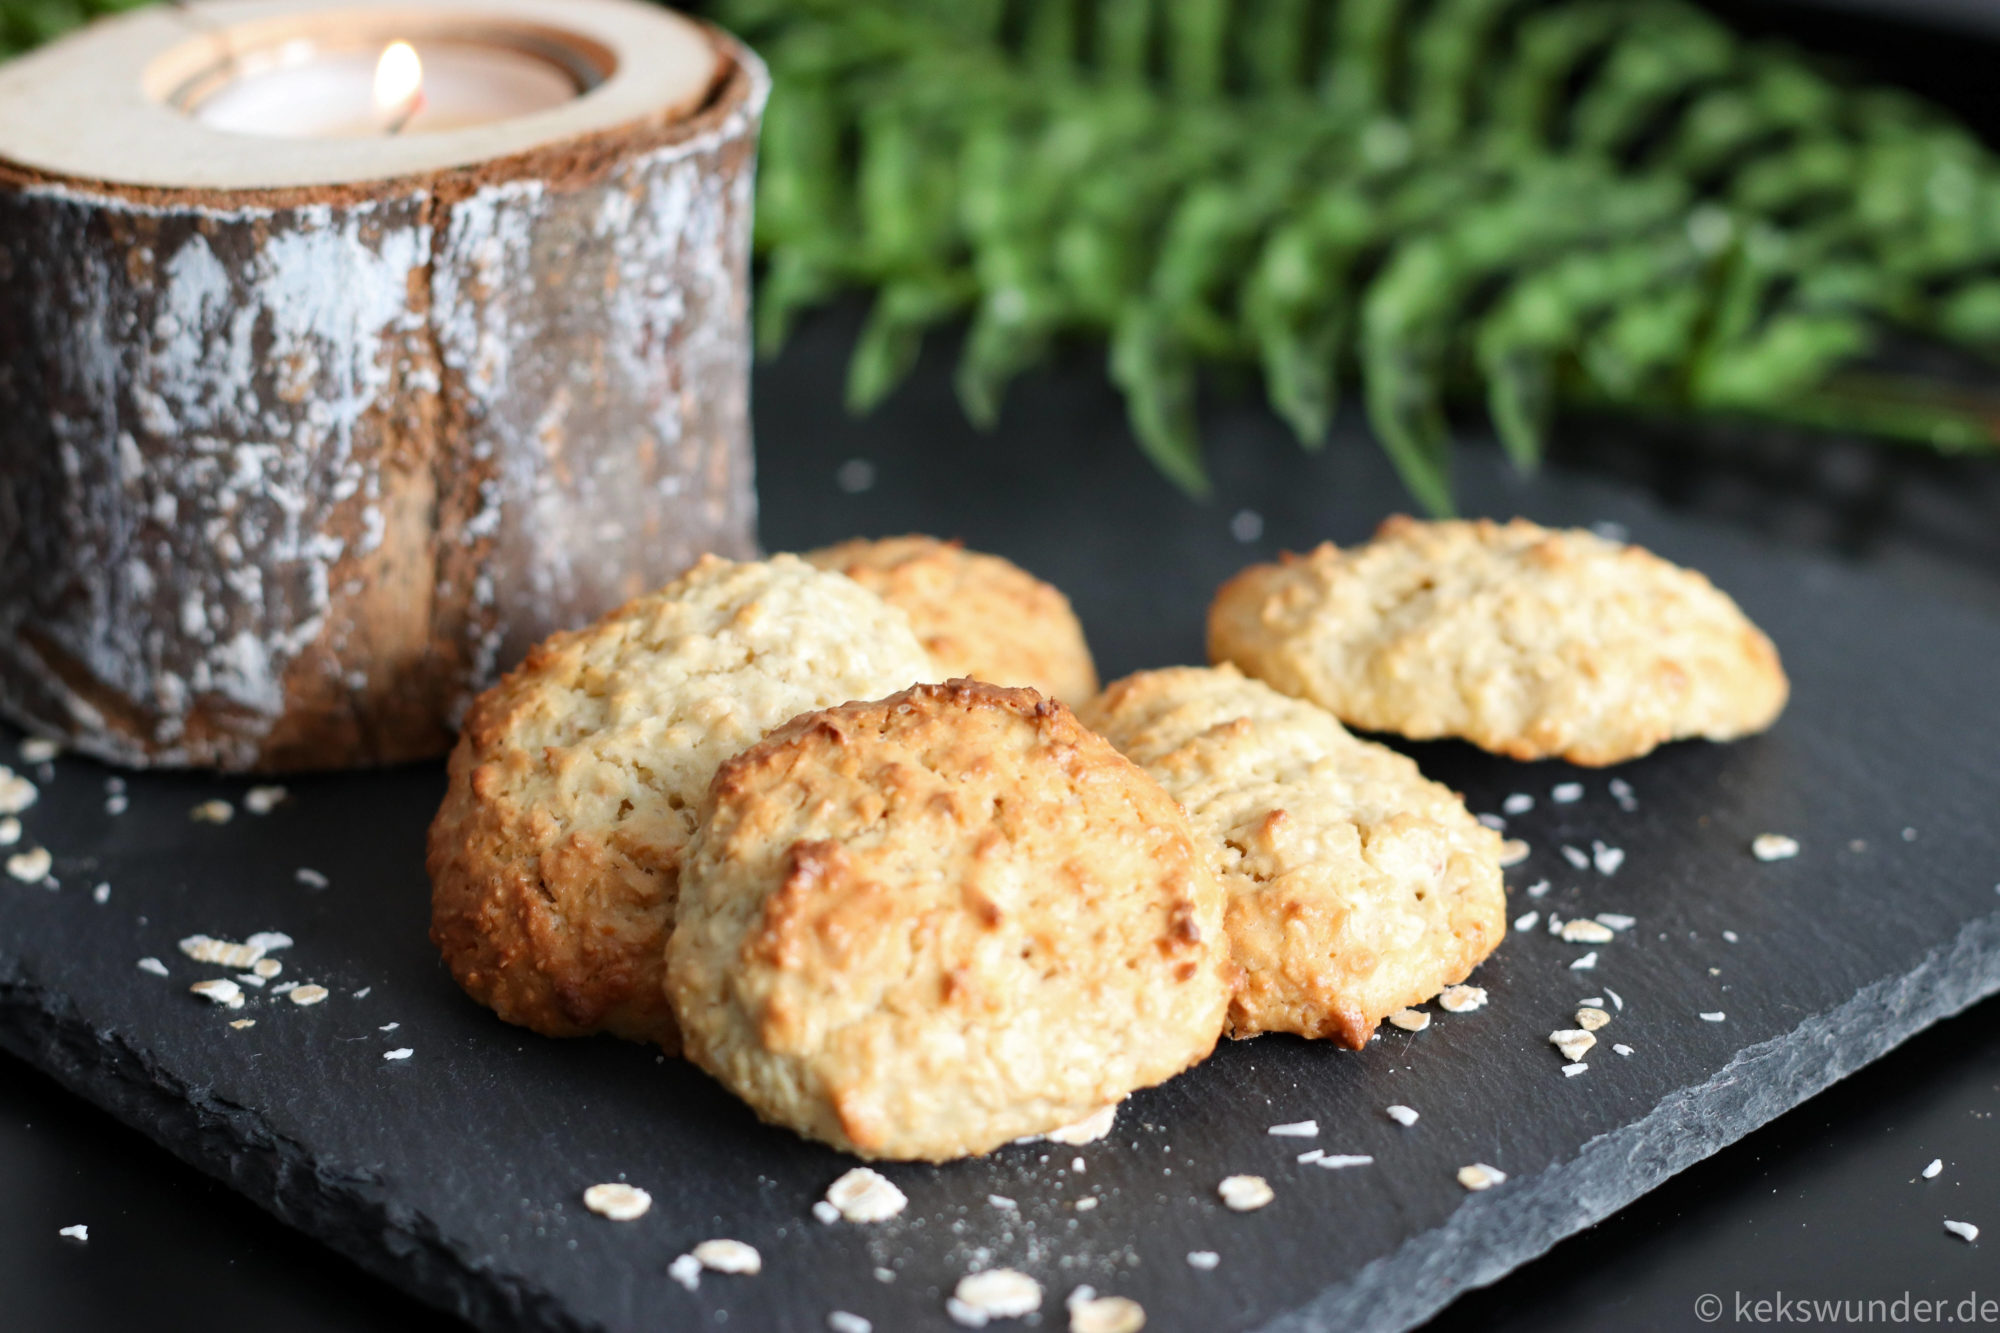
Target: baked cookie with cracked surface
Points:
(978, 615)
(1529, 642)
(555, 858)
(925, 927)
(1356, 886)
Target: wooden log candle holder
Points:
(311, 426)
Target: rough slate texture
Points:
(457, 1173)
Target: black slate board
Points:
(457, 1173)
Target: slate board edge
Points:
(1429, 1271)
(350, 1213)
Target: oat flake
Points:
(1461, 999)
(31, 866)
(308, 994)
(1410, 1020)
(1621, 1048)
(1716, 1017)
(1245, 1194)
(618, 1201)
(400, 1053)
(997, 1293)
(77, 1232)
(153, 965)
(1480, 1176)
(219, 990)
(1572, 1042)
(1106, 1314)
(213, 812)
(863, 1195)
(1591, 1019)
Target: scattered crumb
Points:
(312, 879)
(39, 750)
(400, 1053)
(864, 1195)
(79, 1231)
(1205, 1260)
(1341, 1161)
(1410, 1020)
(1572, 1042)
(686, 1270)
(31, 866)
(153, 965)
(1590, 1019)
(1538, 888)
(1087, 1130)
(1513, 852)
(1402, 1115)
(1520, 803)
(10, 831)
(1566, 793)
(1617, 1000)
(1931, 1171)
(1617, 920)
(1621, 1048)
(1245, 1194)
(1965, 1231)
(1527, 920)
(101, 894)
(1715, 1017)
(213, 812)
(1104, 1314)
(1480, 1176)
(16, 792)
(840, 1321)
(1585, 931)
(997, 1293)
(308, 994)
(618, 1201)
(242, 1023)
(1493, 821)
(1585, 963)
(263, 800)
(219, 990)
(729, 1256)
(1576, 856)
(1729, 936)
(1298, 1129)
(1461, 999)
(1574, 1068)
(1773, 847)
(267, 968)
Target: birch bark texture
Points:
(287, 476)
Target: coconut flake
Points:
(1606, 859)
(79, 1231)
(1205, 1260)
(1931, 1171)
(1716, 1016)
(1520, 803)
(1402, 1115)
(1617, 920)
(219, 990)
(153, 965)
(400, 1053)
(1585, 963)
(212, 812)
(1527, 921)
(263, 800)
(1298, 1129)
(1590, 1018)
(1341, 1161)
(840, 1321)
(311, 878)
(1105, 1314)
(1965, 1231)
(1585, 931)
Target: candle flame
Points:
(399, 78)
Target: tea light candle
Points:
(350, 347)
(301, 91)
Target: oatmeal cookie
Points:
(1356, 885)
(1525, 641)
(926, 927)
(555, 857)
(978, 615)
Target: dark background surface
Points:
(1820, 1203)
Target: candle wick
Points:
(410, 109)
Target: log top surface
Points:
(94, 106)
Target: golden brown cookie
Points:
(978, 615)
(925, 927)
(555, 857)
(1525, 641)
(1356, 885)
